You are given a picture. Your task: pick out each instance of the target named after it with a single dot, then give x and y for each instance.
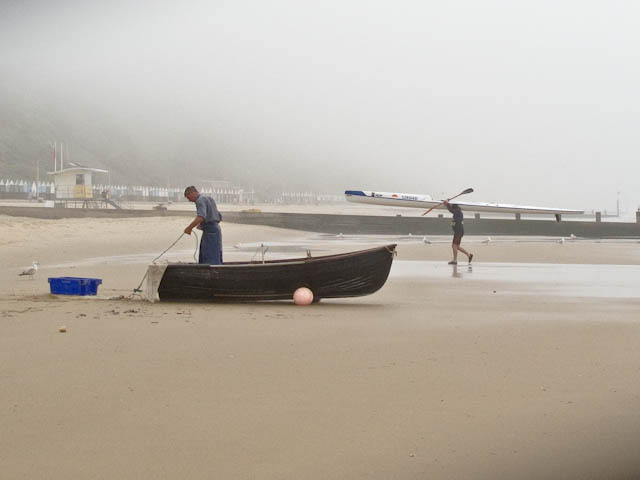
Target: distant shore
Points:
(349, 219)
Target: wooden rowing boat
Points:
(343, 275)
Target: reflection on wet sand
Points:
(604, 281)
(457, 271)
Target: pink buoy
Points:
(303, 296)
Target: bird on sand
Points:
(31, 271)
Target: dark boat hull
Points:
(333, 276)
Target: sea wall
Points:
(365, 224)
(401, 225)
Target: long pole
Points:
(468, 190)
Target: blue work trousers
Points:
(211, 244)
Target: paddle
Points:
(468, 190)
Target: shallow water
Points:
(580, 280)
(576, 280)
(328, 238)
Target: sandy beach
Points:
(523, 366)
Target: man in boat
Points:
(208, 220)
(458, 232)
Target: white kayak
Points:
(426, 202)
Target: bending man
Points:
(208, 220)
(458, 232)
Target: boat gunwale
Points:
(292, 261)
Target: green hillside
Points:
(28, 130)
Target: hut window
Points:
(80, 179)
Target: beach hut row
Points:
(140, 193)
(298, 198)
(24, 189)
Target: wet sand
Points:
(510, 370)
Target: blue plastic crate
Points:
(74, 285)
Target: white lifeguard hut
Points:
(74, 183)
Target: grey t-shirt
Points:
(206, 208)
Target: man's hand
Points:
(196, 223)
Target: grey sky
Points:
(527, 102)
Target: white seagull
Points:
(31, 271)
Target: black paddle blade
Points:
(468, 190)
